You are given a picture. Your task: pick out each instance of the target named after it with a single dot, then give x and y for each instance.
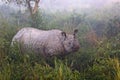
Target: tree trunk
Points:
(33, 9)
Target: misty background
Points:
(70, 5)
(98, 24)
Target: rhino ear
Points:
(64, 35)
(75, 32)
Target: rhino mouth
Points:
(76, 48)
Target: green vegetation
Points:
(97, 59)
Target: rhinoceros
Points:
(46, 42)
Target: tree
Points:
(32, 6)
(28, 3)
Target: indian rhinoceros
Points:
(46, 42)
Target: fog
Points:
(98, 32)
(71, 5)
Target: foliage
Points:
(36, 21)
(97, 59)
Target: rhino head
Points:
(70, 41)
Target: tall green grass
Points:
(89, 63)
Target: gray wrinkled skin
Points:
(47, 43)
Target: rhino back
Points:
(34, 35)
